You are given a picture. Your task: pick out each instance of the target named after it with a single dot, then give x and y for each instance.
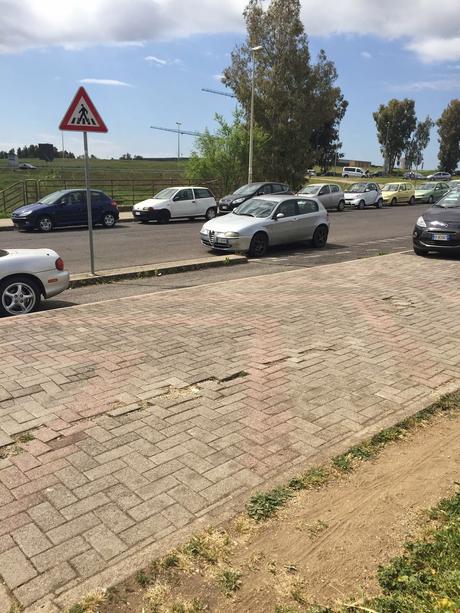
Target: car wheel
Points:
(412, 201)
(320, 237)
(361, 205)
(19, 295)
(341, 205)
(430, 200)
(259, 245)
(211, 213)
(419, 251)
(379, 204)
(393, 202)
(144, 221)
(45, 224)
(108, 221)
(345, 176)
(164, 217)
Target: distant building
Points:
(359, 163)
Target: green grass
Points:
(229, 581)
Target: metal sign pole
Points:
(88, 203)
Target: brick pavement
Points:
(152, 416)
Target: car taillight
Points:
(115, 204)
(59, 264)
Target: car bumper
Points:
(23, 223)
(145, 215)
(54, 281)
(223, 209)
(430, 239)
(226, 244)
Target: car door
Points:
(69, 211)
(204, 200)
(284, 229)
(307, 217)
(336, 196)
(325, 196)
(372, 194)
(184, 204)
(440, 190)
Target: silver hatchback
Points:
(330, 195)
(264, 221)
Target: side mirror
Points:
(279, 216)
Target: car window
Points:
(373, 187)
(335, 189)
(202, 193)
(184, 194)
(265, 189)
(276, 188)
(307, 206)
(324, 190)
(288, 208)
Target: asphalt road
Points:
(131, 243)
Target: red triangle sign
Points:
(82, 115)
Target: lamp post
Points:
(178, 124)
(251, 120)
(387, 161)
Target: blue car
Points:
(66, 208)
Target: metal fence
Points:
(126, 192)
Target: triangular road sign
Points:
(82, 115)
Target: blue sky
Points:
(44, 64)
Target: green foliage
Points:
(143, 578)
(224, 155)
(229, 581)
(263, 505)
(314, 477)
(395, 123)
(170, 561)
(449, 137)
(296, 101)
(76, 608)
(419, 142)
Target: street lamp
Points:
(387, 161)
(251, 120)
(178, 124)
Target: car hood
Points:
(350, 195)
(150, 202)
(29, 208)
(230, 198)
(231, 223)
(437, 213)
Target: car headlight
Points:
(231, 235)
(238, 201)
(421, 223)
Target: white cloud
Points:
(366, 55)
(429, 29)
(444, 84)
(156, 60)
(218, 77)
(112, 82)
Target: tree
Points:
(293, 97)
(126, 156)
(395, 123)
(419, 142)
(449, 137)
(224, 155)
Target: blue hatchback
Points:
(66, 208)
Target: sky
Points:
(145, 62)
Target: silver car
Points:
(363, 194)
(264, 221)
(329, 194)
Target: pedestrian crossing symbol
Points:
(82, 115)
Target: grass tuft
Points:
(263, 505)
(211, 546)
(91, 603)
(229, 581)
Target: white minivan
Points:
(354, 171)
(176, 202)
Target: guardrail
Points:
(126, 192)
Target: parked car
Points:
(396, 193)
(431, 192)
(353, 171)
(440, 176)
(27, 275)
(329, 194)
(310, 173)
(175, 203)
(414, 175)
(26, 166)
(264, 221)
(438, 228)
(66, 208)
(455, 184)
(364, 194)
(228, 203)
(377, 173)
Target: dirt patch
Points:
(325, 546)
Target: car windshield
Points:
(51, 198)
(357, 188)
(427, 186)
(310, 189)
(390, 187)
(166, 194)
(450, 201)
(256, 208)
(245, 190)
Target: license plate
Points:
(441, 237)
(136, 213)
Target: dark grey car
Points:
(228, 203)
(438, 228)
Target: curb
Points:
(9, 226)
(154, 270)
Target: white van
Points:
(353, 171)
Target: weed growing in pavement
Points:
(265, 504)
(90, 603)
(229, 581)
(25, 437)
(210, 547)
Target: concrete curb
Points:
(154, 270)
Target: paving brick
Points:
(123, 496)
(105, 542)
(64, 551)
(31, 540)
(59, 496)
(72, 528)
(12, 477)
(15, 568)
(146, 530)
(157, 487)
(88, 564)
(46, 516)
(131, 478)
(151, 507)
(44, 584)
(84, 506)
(113, 517)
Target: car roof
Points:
(283, 197)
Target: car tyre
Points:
(211, 213)
(320, 237)
(341, 205)
(45, 224)
(419, 251)
(379, 204)
(108, 220)
(19, 295)
(393, 202)
(259, 245)
(361, 205)
(412, 201)
(430, 200)
(164, 217)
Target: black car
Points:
(230, 202)
(66, 208)
(438, 229)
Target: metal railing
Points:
(126, 192)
